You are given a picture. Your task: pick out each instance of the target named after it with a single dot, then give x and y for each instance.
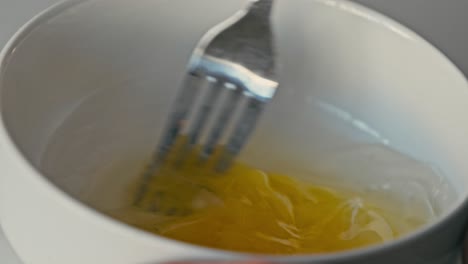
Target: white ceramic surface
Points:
(102, 49)
(7, 256)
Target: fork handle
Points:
(261, 8)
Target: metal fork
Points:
(236, 55)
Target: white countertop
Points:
(442, 22)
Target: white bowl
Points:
(119, 63)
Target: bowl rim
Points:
(90, 214)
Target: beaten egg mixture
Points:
(249, 210)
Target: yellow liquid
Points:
(248, 210)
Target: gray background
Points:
(442, 22)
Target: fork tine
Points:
(146, 180)
(201, 118)
(178, 117)
(222, 120)
(243, 129)
(183, 103)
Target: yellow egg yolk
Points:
(249, 210)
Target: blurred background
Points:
(443, 22)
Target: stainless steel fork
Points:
(236, 55)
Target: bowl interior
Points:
(85, 94)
